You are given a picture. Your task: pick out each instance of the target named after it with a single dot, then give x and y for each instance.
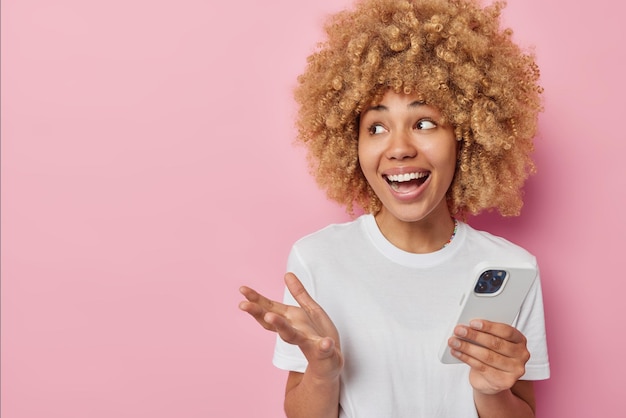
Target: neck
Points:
(426, 235)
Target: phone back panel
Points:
(501, 306)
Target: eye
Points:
(376, 129)
(425, 124)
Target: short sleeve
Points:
(288, 356)
(531, 323)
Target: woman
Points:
(419, 112)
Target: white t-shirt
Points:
(393, 308)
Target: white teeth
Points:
(399, 178)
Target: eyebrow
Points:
(380, 108)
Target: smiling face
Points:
(408, 157)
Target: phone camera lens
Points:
(482, 286)
(496, 281)
(490, 281)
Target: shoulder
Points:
(328, 249)
(333, 234)
(495, 246)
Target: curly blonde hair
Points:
(455, 56)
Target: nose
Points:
(401, 146)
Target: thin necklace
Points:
(456, 226)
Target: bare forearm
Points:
(313, 398)
(503, 404)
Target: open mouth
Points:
(404, 183)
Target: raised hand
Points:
(496, 353)
(307, 326)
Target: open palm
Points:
(307, 326)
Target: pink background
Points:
(148, 171)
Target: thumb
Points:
(326, 347)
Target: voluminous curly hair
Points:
(455, 56)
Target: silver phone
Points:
(496, 294)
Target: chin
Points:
(415, 213)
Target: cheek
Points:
(442, 153)
(448, 161)
(367, 159)
(367, 165)
(362, 155)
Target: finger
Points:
(495, 378)
(257, 306)
(478, 356)
(285, 329)
(327, 346)
(265, 303)
(252, 308)
(474, 337)
(299, 293)
(313, 347)
(256, 312)
(314, 311)
(498, 329)
(490, 349)
(492, 343)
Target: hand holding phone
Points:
(496, 294)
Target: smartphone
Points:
(496, 294)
